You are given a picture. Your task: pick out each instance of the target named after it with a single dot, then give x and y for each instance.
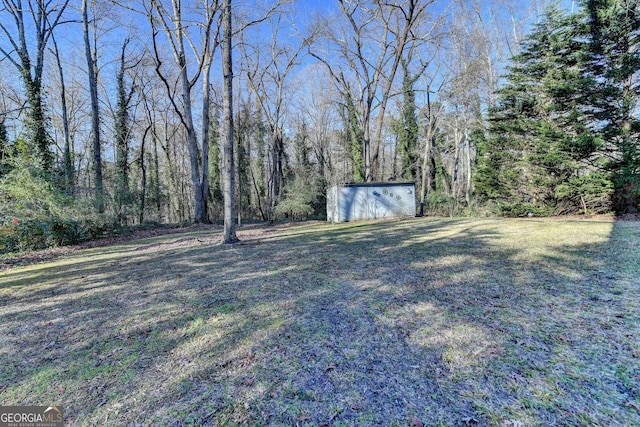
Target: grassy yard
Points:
(426, 321)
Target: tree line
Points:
(167, 111)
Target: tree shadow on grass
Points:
(451, 321)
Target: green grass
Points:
(482, 322)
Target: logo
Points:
(31, 416)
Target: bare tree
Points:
(176, 30)
(123, 130)
(67, 160)
(480, 36)
(91, 55)
(369, 49)
(163, 192)
(228, 167)
(267, 76)
(46, 15)
(490, 32)
(432, 112)
(228, 172)
(315, 101)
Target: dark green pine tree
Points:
(538, 151)
(613, 30)
(301, 148)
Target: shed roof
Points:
(377, 184)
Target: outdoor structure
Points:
(353, 202)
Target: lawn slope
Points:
(441, 322)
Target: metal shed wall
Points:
(353, 202)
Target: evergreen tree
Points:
(302, 189)
(539, 153)
(613, 30)
(303, 164)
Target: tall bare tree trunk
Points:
(228, 173)
(143, 173)
(206, 119)
(177, 32)
(426, 168)
(67, 161)
(428, 161)
(192, 140)
(468, 166)
(366, 151)
(455, 168)
(92, 69)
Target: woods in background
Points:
(126, 113)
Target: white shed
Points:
(353, 202)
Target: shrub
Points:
(299, 200)
(36, 215)
(440, 204)
(66, 232)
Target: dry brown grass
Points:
(441, 322)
